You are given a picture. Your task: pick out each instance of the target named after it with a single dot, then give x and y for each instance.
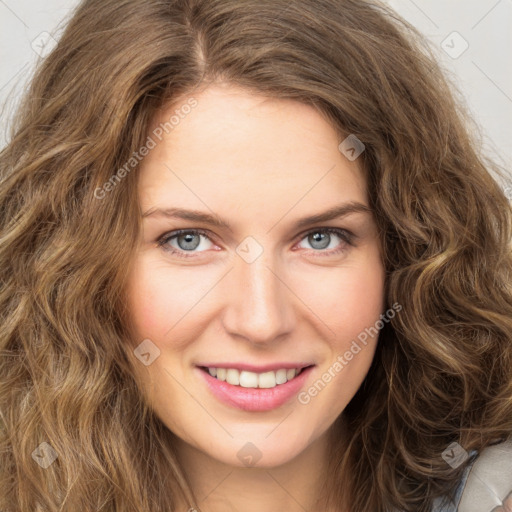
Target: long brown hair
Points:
(442, 370)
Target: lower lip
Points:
(255, 399)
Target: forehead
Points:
(237, 144)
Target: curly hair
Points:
(442, 369)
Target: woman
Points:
(249, 263)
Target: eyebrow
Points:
(335, 212)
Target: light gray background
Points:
(482, 71)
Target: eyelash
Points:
(345, 236)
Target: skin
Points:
(260, 164)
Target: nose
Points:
(259, 304)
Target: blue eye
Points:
(187, 240)
(321, 239)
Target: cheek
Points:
(161, 298)
(351, 306)
(146, 304)
(348, 300)
(361, 301)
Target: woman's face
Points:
(252, 290)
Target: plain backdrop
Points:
(472, 38)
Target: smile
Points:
(254, 391)
(247, 379)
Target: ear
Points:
(489, 484)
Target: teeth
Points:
(233, 377)
(247, 379)
(267, 380)
(281, 376)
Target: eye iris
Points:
(324, 239)
(188, 244)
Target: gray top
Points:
(486, 483)
(444, 504)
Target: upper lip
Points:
(256, 368)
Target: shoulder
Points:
(488, 482)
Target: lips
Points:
(262, 390)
